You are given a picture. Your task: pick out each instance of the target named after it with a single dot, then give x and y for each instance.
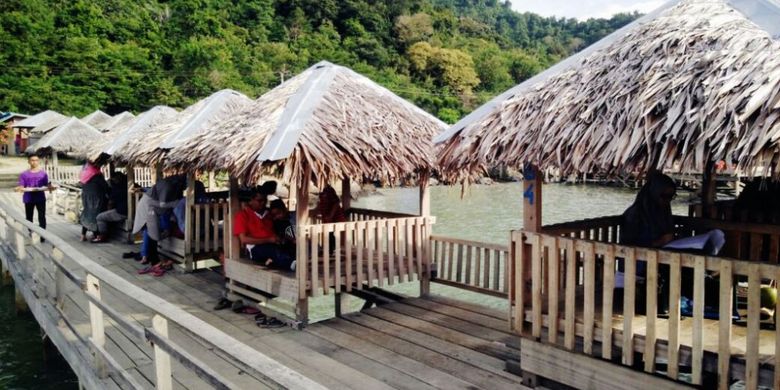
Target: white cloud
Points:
(584, 9)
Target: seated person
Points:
(254, 228)
(117, 205)
(284, 225)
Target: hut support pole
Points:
(425, 211)
(532, 199)
(189, 199)
(234, 207)
(54, 160)
(708, 188)
(302, 218)
(346, 194)
(212, 182)
(130, 204)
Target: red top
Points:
(248, 222)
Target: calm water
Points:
(484, 213)
(22, 364)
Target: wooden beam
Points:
(346, 194)
(532, 199)
(708, 189)
(302, 196)
(189, 234)
(234, 207)
(425, 196)
(130, 204)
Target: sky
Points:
(584, 9)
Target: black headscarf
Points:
(648, 218)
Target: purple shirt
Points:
(34, 179)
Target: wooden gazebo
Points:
(325, 125)
(149, 148)
(688, 85)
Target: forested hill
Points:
(447, 56)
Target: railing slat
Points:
(673, 346)
(698, 320)
(450, 256)
(459, 269)
(629, 299)
(326, 230)
(413, 251)
(537, 253)
(381, 237)
(360, 239)
(518, 243)
(571, 286)
(753, 326)
(467, 278)
(392, 240)
(608, 291)
(303, 235)
(724, 334)
(496, 269)
(315, 231)
(337, 230)
(589, 300)
(348, 241)
(371, 231)
(651, 310)
(553, 287)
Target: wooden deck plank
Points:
(355, 325)
(499, 325)
(414, 368)
(473, 307)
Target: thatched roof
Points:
(42, 121)
(119, 136)
(150, 146)
(117, 122)
(97, 119)
(72, 137)
(340, 123)
(694, 81)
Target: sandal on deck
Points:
(159, 272)
(99, 239)
(147, 270)
(130, 255)
(223, 303)
(270, 322)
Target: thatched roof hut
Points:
(337, 122)
(97, 119)
(72, 137)
(42, 121)
(122, 135)
(117, 122)
(692, 82)
(151, 145)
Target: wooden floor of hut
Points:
(412, 343)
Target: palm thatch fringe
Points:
(340, 123)
(150, 146)
(97, 119)
(118, 137)
(42, 121)
(698, 83)
(71, 137)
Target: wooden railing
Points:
(354, 214)
(362, 254)
(63, 174)
(603, 229)
(40, 272)
(471, 265)
(565, 296)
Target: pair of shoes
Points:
(268, 322)
(223, 303)
(129, 255)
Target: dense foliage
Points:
(447, 56)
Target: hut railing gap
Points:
(43, 272)
(471, 265)
(565, 277)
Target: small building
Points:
(39, 124)
(14, 140)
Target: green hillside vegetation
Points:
(447, 56)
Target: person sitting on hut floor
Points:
(330, 211)
(117, 206)
(254, 228)
(94, 198)
(284, 226)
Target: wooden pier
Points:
(118, 329)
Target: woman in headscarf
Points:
(94, 198)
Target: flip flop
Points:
(147, 270)
(223, 303)
(159, 272)
(270, 322)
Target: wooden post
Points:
(162, 360)
(19, 303)
(235, 247)
(341, 300)
(130, 204)
(189, 234)
(59, 278)
(425, 196)
(97, 325)
(346, 194)
(708, 189)
(532, 199)
(157, 173)
(302, 195)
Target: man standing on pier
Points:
(33, 182)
